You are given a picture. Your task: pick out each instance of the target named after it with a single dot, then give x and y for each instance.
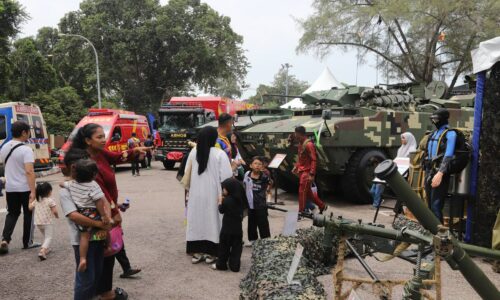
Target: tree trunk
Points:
(488, 196)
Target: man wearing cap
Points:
(440, 150)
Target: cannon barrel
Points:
(387, 171)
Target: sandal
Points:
(210, 259)
(42, 255)
(4, 248)
(197, 258)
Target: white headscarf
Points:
(411, 145)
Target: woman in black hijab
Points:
(209, 168)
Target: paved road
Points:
(155, 241)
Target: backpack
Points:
(462, 153)
(321, 158)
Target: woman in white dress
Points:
(209, 168)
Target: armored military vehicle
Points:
(356, 127)
(246, 118)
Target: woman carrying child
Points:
(45, 212)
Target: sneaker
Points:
(4, 248)
(129, 273)
(249, 244)
(120, 294)
(210, 259)
(325, 207)
(197, 258)
(213, 266)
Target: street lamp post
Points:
(96, 63)
(286, 67)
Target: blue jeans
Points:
(86, 282)
(376, 192)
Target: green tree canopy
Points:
(62, 108)
(147, 52)
(31, 71)
(11, 17)
(277, 87)
(417, 40)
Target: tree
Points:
(11, 17)
(278, 87)
(149, 52)
(62, 108)
(31, 72)
(416, 40)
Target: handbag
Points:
(114, 241)
(186, 179)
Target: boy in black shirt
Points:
(231, 234)
(257, 185)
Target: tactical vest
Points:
(461, 154)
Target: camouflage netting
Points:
(402, 221)
(271, 260)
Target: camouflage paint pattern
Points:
(351, 128)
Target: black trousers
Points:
(230, 247)
(105, 283)
(16, 200)
(257, 219)
(437, 195)
(135, 166)
(122, 259)
(149, 157)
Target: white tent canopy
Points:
(325, 81)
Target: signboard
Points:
(295, 264)
(26, 109)
(290, 223)
(277, 160)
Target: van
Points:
(39, 141)
(118, 126)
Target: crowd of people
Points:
(222, 190)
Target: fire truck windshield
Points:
(171, 122)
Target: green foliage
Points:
(147, 52)
(11, 16)
(31, 72)
(417, 40)
(62, 108)
(295, 87)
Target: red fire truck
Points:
(179, 119)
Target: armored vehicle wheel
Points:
(168, 164)
(359, 174)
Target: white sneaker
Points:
(249, 244)
(213, 267)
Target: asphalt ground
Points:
(155, 241)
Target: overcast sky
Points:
(269, 31)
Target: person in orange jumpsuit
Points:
(305, 168)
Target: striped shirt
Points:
(84, 194)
